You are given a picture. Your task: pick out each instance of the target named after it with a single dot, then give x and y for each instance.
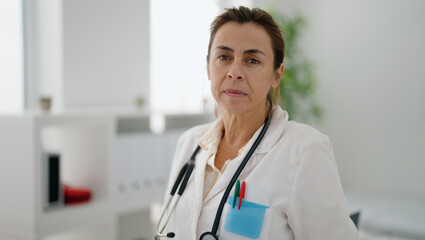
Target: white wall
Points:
(179, 43)
(48, 51)
(11, 57)
(88, 53)
(369, 59)
(106, 52)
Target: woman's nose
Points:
(235, 71)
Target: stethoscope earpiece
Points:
(158, 236)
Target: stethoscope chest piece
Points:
(208, 236)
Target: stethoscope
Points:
(182, 180)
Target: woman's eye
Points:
(253, 61)
(223, 57)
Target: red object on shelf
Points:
(74, 195)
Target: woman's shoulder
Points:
(296, 131)
(299, 135)
(304, 138)
(303, 131)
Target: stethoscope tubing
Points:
(236, 175)
(186, 171)
(184, 175)
(183, 178)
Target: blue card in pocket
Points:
(248, 221)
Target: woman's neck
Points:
(238, 129)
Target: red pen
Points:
(241, 195)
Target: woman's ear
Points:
(278, 76)
(208, 67)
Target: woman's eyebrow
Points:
(249, 51)
(254, 51)
(225, 48)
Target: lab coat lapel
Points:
(224, 179)
(272, 135)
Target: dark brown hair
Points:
(258, 16)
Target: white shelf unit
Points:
(85, 144)
(143, 165)
(113, 153)
(143, 158)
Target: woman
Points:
(290, 184)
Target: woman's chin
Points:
(235, 109)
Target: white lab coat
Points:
(294, 162)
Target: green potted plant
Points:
(298, 84)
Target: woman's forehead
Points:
(242, 37)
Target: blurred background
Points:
(95, 93)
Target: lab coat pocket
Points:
(248, 222)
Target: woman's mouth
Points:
(234, 93)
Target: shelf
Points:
(85, 144)
(139, 167)
(114, 154)
(70, 218)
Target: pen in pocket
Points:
(236, 194)
(241, 195)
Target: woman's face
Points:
(241, 68)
